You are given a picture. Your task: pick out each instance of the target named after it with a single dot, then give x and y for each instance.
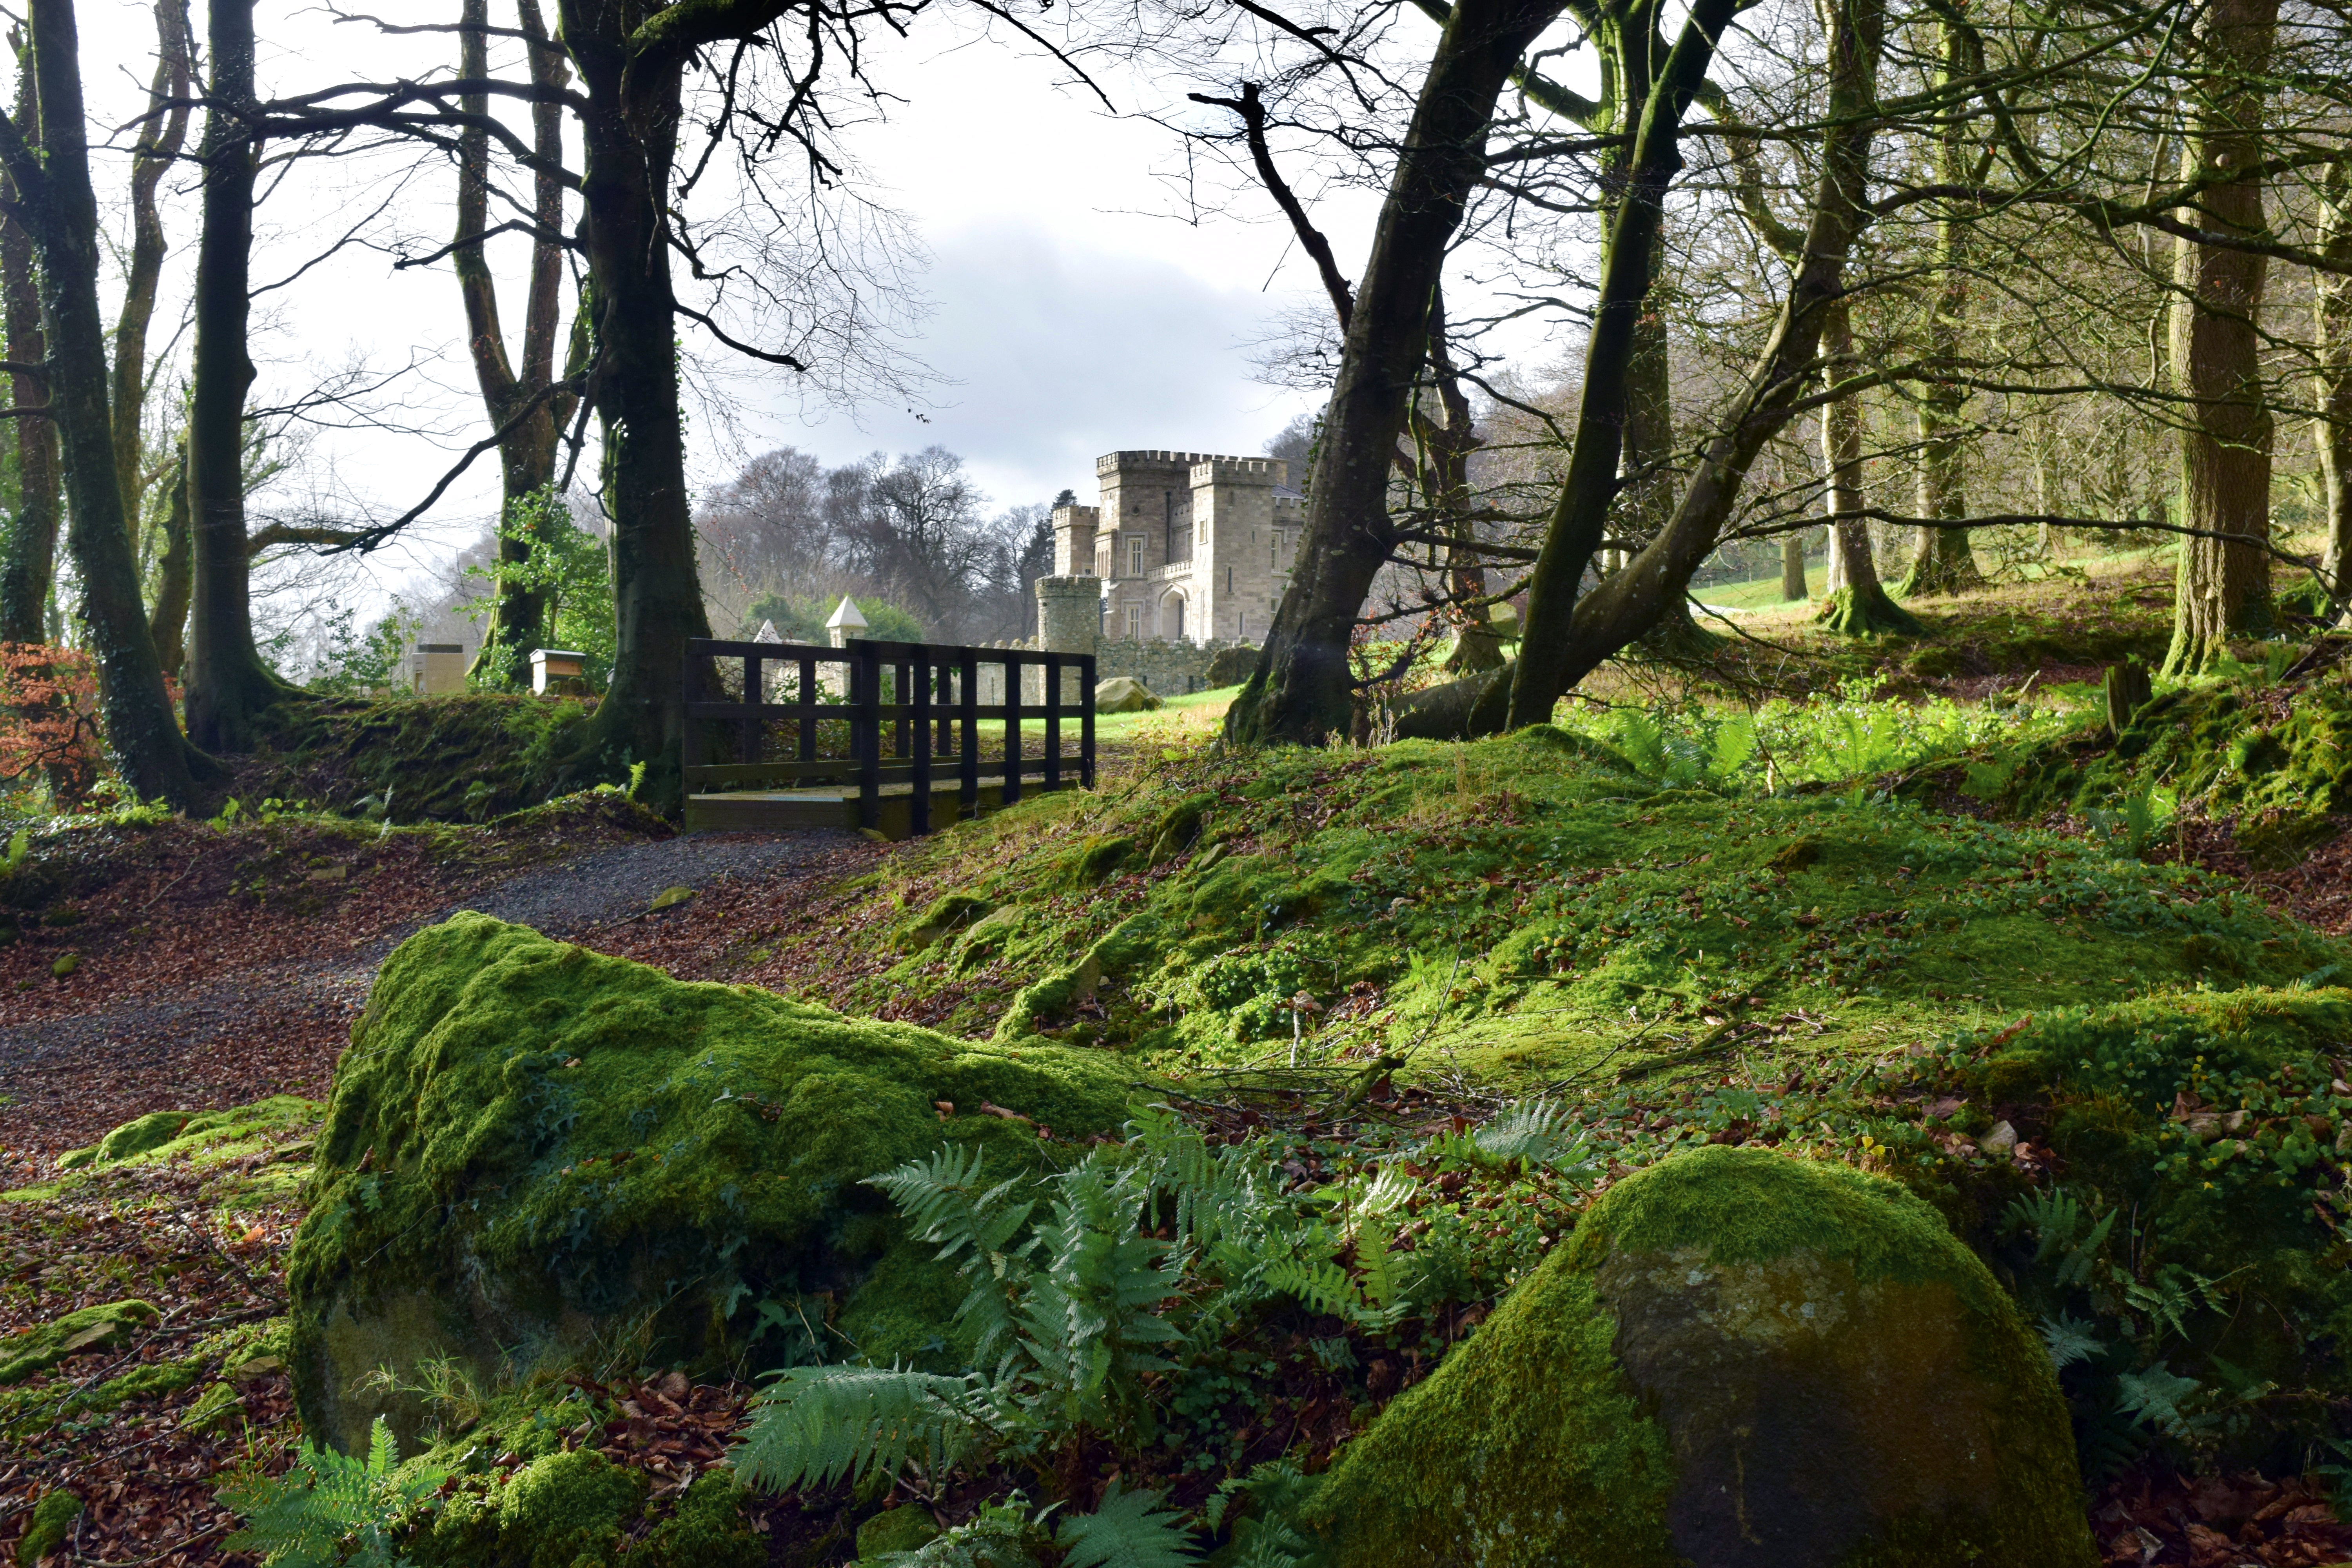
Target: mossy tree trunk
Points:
(2223, 588)
(2331, 309)
(1302, 690)
(168, 622)
(631, 66)
(230, 689)
(59, 209)
(1855, 604)
(1944, 562)
(1647, 505)
(29, 572)
(527, 457)
(1442, 470)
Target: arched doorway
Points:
(1173, 621)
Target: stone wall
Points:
(1170, 669)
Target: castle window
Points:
(1135, 622)
(1135, 555)
(1229, 579)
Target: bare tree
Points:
(58, 208)
(527, 406)
(29, 570)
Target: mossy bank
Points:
(1534, 908)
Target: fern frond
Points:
(329, 1509)
(1127, 1530)
(941, 1195)
(819, 1424)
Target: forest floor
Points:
(219, 964)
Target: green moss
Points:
(105, 1327)
(136, 1136)
(941, 920)
(2213, 1117)
(1097, 858)
(896, 1530)
(2221, 742)
(535, 1153)
(1741, 1355)
(707, 1531)
(1507, 901)
(1178, 826)
(1851, 615)
(52, 1522)
(550, 1513)
(214, 1406)
(1472, 1466)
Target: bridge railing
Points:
(872, 713)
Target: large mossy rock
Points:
(1742, 1359)
(537, 1156)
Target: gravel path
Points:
(277, 1027)
(613, 884)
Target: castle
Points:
(1189, 546)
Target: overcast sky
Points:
(1071, 313)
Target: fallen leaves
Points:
(2159, 1519)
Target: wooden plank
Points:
(1052, 722)
(866, 692)
(768, 814)
(1086, 720)
(969, 794)
(921, 781)
(1011, 735)
(752, 773)
(808, 705)
(721, 647)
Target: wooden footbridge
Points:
(878, 735)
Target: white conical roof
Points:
(766, 633)
(845, 616)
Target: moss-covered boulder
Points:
(535, 1155)
(1741, 1359)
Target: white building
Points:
(1191, 546)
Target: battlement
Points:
(1240, 472)
(1127, 462)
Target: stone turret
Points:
(1069, 620)
(1073, 540)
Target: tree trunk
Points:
(230, 689)
(30, 569)
(159, 144)
(60, 210)
(1944, 562)
(1792, 566)
(1853, 604)
(629, 135)
(518, 609)
(1612, 355)
(1647, 504)
(1567, 637)
(1301, 690)
(169, 623)
(1444, 471)
(2331, 309)
(2223, 589)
